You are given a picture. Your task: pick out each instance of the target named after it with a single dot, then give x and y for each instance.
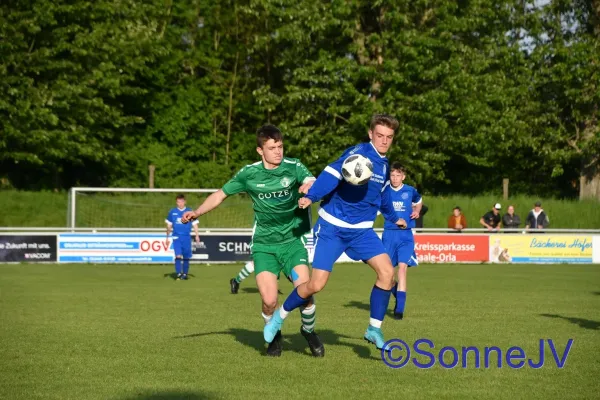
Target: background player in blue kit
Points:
(182, 240)
(345, 224)
(398, 240)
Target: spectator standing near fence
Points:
(492, 220)
(537, 218)
(510, 220)
(457, 221)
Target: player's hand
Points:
(304, 203)
(305, 188)
(401, 223)
(198, 239)
(414, 215)
(188, 216)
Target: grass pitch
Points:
(131, 332)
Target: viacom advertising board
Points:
(28, 248)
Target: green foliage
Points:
(92, 93)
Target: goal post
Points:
(144, 208)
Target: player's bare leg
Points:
(267, 286)
(402, 277)
(300, 297)
(380, 297)
(308, 314)
(315, 284)
(382, 265)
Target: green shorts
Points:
(279, 258)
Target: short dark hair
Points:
(267, 132)
(180, 196)
(385, 120)
(396, 166)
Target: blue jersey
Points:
(402, 199)
(350, 206)
(174, 219)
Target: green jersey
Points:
(274, 193)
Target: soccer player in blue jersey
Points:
(345, 224)
(398, 240)
(182, 240)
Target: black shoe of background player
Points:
(184, 277)
(235, 286)
(314, 343)
(398, 315)
(276, 346)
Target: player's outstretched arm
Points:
(211, 202)
(327, 181)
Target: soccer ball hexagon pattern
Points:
(357, 170)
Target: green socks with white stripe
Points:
(245, 272)
(309, 317)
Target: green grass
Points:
(130, 210)
(131, 332)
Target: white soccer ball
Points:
(357, 170)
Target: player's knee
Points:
(386, 274)
(316, 285)
(180, 257)
(269, 306)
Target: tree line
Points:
(93, 92)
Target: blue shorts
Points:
(331, 241)
(183, 246)
(400, 247)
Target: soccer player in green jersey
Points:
(275, 184)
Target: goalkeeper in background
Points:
(182, 241)
(275, 185)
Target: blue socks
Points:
(178, 266)
(400, 302)
(294, 301)
(186, 266)
(380, 300)
(400, 299)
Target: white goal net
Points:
(147, 208)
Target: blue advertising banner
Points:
(148, 248)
